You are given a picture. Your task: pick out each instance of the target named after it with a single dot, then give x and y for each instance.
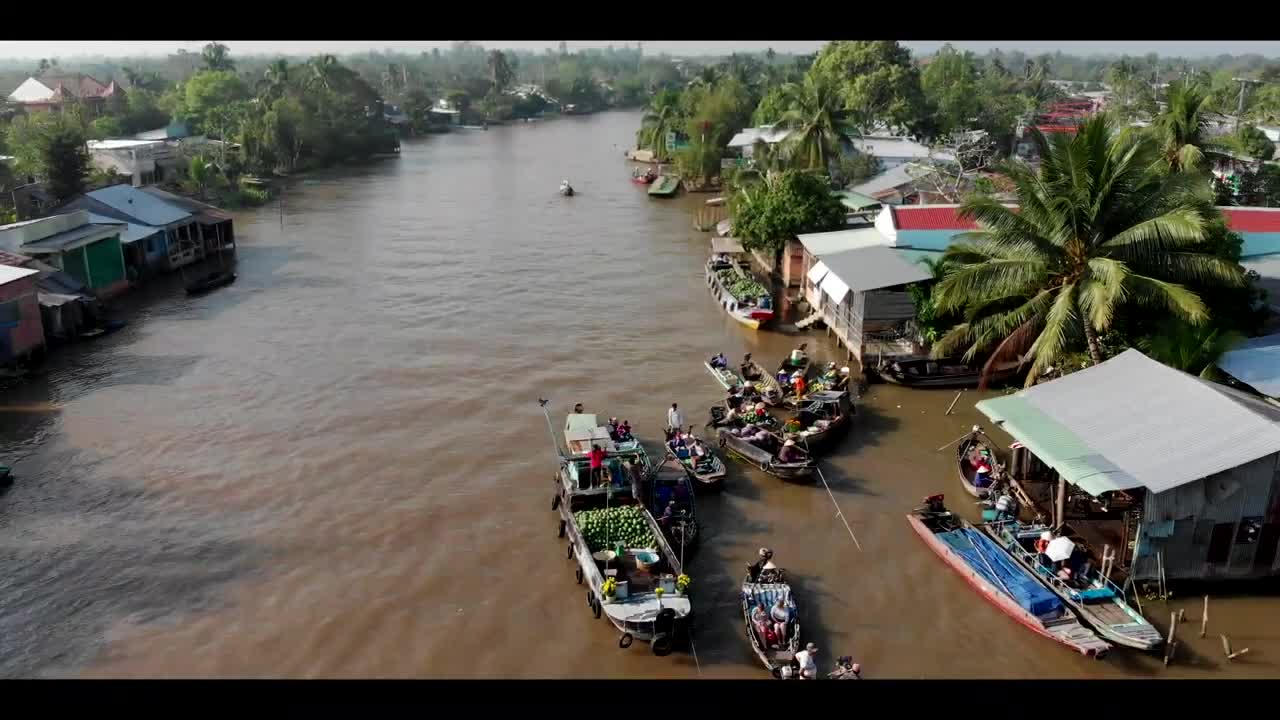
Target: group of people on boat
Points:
(644, 175)
(1074, 571)
(686, 446)
(620, 432)
(833, 378)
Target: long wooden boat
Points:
(665, 186)
(766, 594)
(634, 607)
(925, 372)
(788, 369)
(726, 377)
(771, 393)
(754, 313)
(767, 459)
(706, 474)
(210, 282)
(999, 579)
(964, 468)
(824, 421)
(1094, 598)
(670, 483)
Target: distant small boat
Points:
(966, 469)
(644, 178)
(924, 372)
(706, 473)
(566, 189)
(665, 186)
(754, 310)
(212, 281)
(715, 201)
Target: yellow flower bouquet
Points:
(610, 588)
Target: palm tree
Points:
(500, 72)
(1180, 129)
(1195, 349)
(275, 79)
(816, 123)
(659, 119)
(1099, 228)
(323, 69)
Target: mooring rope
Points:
(839, 512)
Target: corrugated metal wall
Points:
(1194, 510)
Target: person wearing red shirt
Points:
(596, 458)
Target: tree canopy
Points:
(768, 213)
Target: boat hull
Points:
(999, 599)
(772, 659)
(980, 493)
(703, 481)
(791, 472)
(748, 315)
(942, 381)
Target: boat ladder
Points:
(809, 321)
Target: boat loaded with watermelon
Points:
(737, 290)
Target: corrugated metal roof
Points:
(9, 273)
(143, 207)
(209, 214)
(857, 201)
(931, 217)
(873, 268)
(1252, 219)
(1134, 422)
(1255, 362)
(825, 243)
(749, 136)
(132, 232)
(893, 178)
(71, 239)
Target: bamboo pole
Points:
(953, 403)
(1226, 649)
(1204, 616)
(1171, 644)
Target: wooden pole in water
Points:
(1204, 617)
(1170, 644)
(1226, 649)
(953, 402)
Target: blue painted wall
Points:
(927, 239)
(1260, 243)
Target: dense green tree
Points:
(105, 127)
(950, 83)
(217, 57)
(768, 214)
(500, 72)
(1101, 226)
(1189, 347)
(877, 80)
(1255, 143)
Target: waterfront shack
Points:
(183, 243)
(1175, 473)
(864, 301)
(88, 252)
(21, 332)
(215, 225)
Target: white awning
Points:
(817, 272)
(834, 287)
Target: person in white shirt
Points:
(804, 658)
(675, 419)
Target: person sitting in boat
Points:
(804, 660)
(790, 453)
(1042, 547)
(765, 556)
(682, 451)
(760, 620)
(577, 409)
(668, 514)
(760, 438)
(720, 361)
(780, 614)
(624, 432)
(761, 412)
(765, 302)
(842, 382)
(982, 472)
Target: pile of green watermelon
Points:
(605, 529)
(742, 288)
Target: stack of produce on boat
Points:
(606, 528)
(745, 289)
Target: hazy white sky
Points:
(120, 48)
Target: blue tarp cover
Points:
(1009, 575)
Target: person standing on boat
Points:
(596, 458)
(624, 432)
(675, 419)
(754, 569)
(808, 667)
(797, 382)
(798, 355)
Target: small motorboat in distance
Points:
(999, 579)
(210, 282)
(566, 189)
(665, 186)
(644, 176)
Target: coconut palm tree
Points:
(660, 117)
(816, 123)
(275, 79)
(1195, 349)
(1180, 129)
(500, 72)
(1101, 227)
(323, 69)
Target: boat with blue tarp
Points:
(1000, 579)
(1082, 586)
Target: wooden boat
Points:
(979, 441)
(719, 413)
(766, 458)
(752, 312)
(644, 178)
(999, 579)
(665, 186)
(766, 594)
(706, 474)
(824, 421)
(726, 377)
(670, 483)
(212, 281)
(771, 393)
(566, 189)
(6, 476)
(635, 608)
(925, 372)
(1096, 599)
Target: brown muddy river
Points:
(336, 467)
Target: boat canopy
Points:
(726, 245)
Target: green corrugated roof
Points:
(1056, 446)
(856, 201)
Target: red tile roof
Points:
(1253, 220)
(930, 217)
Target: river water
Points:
(337, 467)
